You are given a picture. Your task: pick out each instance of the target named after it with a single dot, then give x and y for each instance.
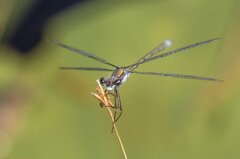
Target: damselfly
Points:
(121, 73)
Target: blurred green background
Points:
(49, 113)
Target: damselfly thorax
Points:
(116, 79)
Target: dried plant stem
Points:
(117, 134)
(104, 99)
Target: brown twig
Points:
(105, 100)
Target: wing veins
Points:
(162, 46)
(86, 68)
(174, 51)
(195, 77)
(82, 52)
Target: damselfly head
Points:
(110, 83)
(102, 81)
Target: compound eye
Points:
(102, 81)
(118, 82)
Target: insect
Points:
(121, 73)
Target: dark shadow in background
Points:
(29, 31)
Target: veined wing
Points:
(82, 52)
(86, 68)
(164, 45)
(178, 76)
(179, 50)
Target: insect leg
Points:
(118, 105)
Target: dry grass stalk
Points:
(105, 101)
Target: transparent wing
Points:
(178, 76)
(179, 50)
(86, 68)
(164, 45)
(82, 52)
